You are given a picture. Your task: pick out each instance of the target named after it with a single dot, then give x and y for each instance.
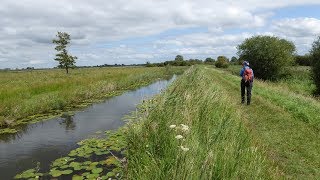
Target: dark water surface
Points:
(46, 141)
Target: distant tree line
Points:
(179, 61)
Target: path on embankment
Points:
(286, 124)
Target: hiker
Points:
(246, 82)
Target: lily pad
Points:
(96, 170)
(55, 173)
(92, 176)
(66, 172)
(111, 174)
(77, 177)
(112, 161)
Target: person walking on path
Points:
(246, 82)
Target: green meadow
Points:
(26, 95)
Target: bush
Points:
(267, 55)
(222, 62)
(315, 55)
(304, 60)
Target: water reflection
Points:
(67, 122)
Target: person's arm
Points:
(241, 72)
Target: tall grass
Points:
(298, 79)
(216, 146)
(25, 93)
(285, 122)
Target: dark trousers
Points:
(244, 86)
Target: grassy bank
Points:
(285, 122)
(206, 140)
(26, 94)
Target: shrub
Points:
(304, 60)
(222, 62)
(315, 55)
(267, 55)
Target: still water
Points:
(48, 140)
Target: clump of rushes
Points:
(217, 146)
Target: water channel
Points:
(48, 140)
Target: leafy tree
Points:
(267, 55)
(222, 62)
(315, 55)
(304, 60)
(65, 60)
(234, 59)
(179, 58)
(209, 60)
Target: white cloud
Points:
(28, 26)
(297, 27)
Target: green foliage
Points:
(304, 60)
(222, 62)
(179, 58)
(234, 60)
(29, 174)
(298, 79)
(267, 55)
(209, 60)
(315, 54)
(85, 163)
(65, 60)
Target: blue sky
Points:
(128, 32)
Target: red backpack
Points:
(248, 75)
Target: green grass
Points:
(298, 79)
(27, 93)
(274, 138)
(220, 147)
(285, 122)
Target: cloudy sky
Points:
(136, 31)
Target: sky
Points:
(137, 31)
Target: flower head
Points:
(184, 148)
(184, 127)
(172, 126)
(179, 137)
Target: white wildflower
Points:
(172, 126)
(179, 137)
(147, 145)
(184, 127)
(184, 148)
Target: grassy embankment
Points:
(220, 147)
(284, 123)
(30, 95)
